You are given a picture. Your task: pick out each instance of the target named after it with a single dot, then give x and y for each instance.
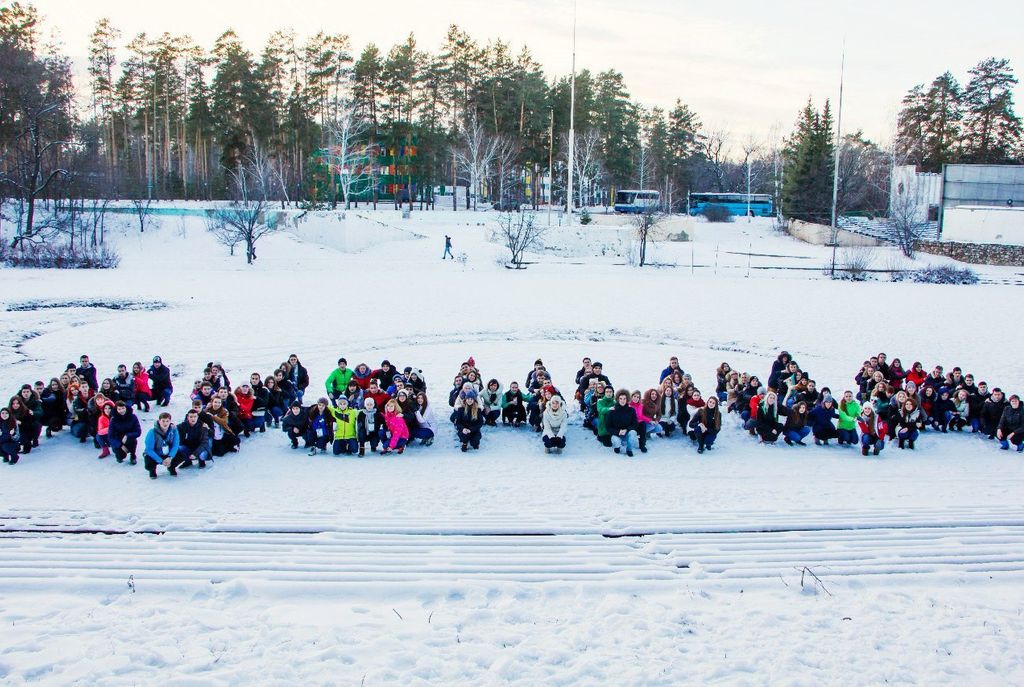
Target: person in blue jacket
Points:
(822, 419)
(160, 378)
(673, 367)
(162, 446)
(124, 432)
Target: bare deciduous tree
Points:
(348, 159)
(906, 226)
(143, 209)
(507, 167)
(714, 146)
(244, 221)
(644, 223)
(474, 155)
(586, 162)
(520, 233)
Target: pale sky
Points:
(744, 66)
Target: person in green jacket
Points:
(848, 411)
(604, 404)
(338, 380)
(345, 428)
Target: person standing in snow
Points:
(447, 248)
(160, 378)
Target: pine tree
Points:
(809, 158)
(992, 128)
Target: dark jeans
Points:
(705, 439)
(124, 446)
(313, 440)
(554, 442)
(223, 446)
(473, 438)
(513, 414)
(346, 446)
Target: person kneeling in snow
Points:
(872, 429)
(468, 420)
(555, 422)
(706, 423)
(397, 428)
(295, 424)
(344, 427)
(162, 446)
(1011, 426)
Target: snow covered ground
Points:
(508, 566)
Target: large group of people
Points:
(386, 409)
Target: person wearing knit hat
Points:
(468, 420)
(555, 422)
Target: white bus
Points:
(632, 201)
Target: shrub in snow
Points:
(717, 213)
(946, 274)
(853, 264)
(58, 257)
(585, 217)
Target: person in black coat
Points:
(597, 372)
(992, 412)
(124, 432)
(621, 424)
(1011, 425)
(160, 380)
(295, 423)
(87, 371)
(822, 418)
(468, 421)
(768, 426)
(298, 376)
(194, 440)
(975, 403)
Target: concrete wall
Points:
(913, 190)
(821, 235)
(976, 253)
(977, 224)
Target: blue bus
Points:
(760, 204)
(635, 202)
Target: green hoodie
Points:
(338, 380)
(604, 404)
(848, 420)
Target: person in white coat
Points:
(425, 418)
(554, 422)
(490, 402)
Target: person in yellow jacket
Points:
(345, 428)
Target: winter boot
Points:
(878, 449)
(202, 463)
(617, 450)
(312, 451)
(789, 442)
(863, 450)
(910, 444)
(49, 433)
(629, 453)
(263, 429)
(901, 444)
(14, 459)
(104, 453)
(465, 447)
(152, 473)
(700, 449)
(401, 450)
(133, 460)
(362, 451)
(173, 471)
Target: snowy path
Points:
(62, 550)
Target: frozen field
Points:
(508, 566)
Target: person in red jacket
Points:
(245, 398)
(873, 430)
(380, 398)
(143, 392)
(917, 375)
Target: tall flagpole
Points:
(835, 172)
(572, 114)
